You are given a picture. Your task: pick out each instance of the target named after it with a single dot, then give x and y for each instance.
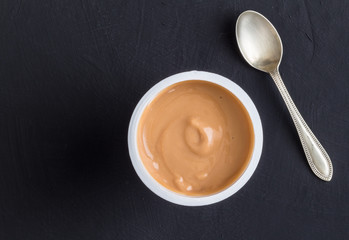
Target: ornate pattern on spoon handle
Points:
(317, 157)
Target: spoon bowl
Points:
(259, 42)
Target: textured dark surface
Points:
(71, 73)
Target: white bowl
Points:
(156, 187)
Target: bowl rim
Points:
(159, 189)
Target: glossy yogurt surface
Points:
(195, 138)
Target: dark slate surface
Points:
(71, 73)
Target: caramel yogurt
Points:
(195, 138)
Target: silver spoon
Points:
(261, 46)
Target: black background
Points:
(71, 73)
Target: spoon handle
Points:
(317, 157)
